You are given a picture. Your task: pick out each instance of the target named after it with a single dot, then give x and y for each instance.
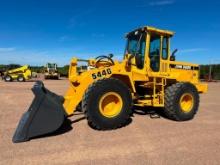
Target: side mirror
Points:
(173, 57)
(111, 55)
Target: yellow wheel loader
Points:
(148, 76)
(20, 74)
(51, 72)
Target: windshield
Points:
(136, 44)
(52, 66)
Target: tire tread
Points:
(91, 89)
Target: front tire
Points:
(181, 101)
(107, 104)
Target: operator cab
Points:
(51, 67)
(150, 46)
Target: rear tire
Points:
(20, 78)
(181, 101)
(119, 110)
(8, 78)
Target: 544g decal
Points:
(101, 73)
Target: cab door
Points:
(159, 53)
(164, 62)
(154, 52)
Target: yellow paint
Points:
(110, 104)
(130, 74)
(24, 70)
(186, 102)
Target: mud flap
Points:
(45, 115)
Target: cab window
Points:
(136, 46)
(165, 48)
(154, 52)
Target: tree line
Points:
(204, 70)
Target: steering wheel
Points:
(105, 59)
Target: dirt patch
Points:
(144, 140)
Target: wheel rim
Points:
(186, 102)
(7, 78)
(20, 79)
(110, 104)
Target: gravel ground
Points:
(144, 140)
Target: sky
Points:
(38, 31)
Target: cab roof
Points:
(153, 29)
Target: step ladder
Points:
(157, 98)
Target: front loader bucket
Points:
(45, 115)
